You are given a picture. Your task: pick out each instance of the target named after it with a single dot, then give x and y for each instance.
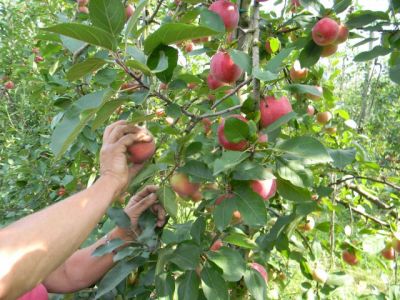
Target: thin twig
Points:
(238, 87)
(151, 18)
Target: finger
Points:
(144, 203)
(120, 130)
(110, 128)
(148, 189)
(131, 139)
(161, 214)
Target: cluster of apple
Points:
(37, 58)
(82, 8)
(8, 84)
(328, 34)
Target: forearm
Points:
(82, 270)
(37, 244)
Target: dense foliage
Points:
(329, 147)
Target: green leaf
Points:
(118, 273)
(310, 54)
(362, 18)
(229, 160)
(252, 171)
(214, 286)
(230, 261)
(275, 64)
(186, 256)
(242, 59)
(165, 286)
(163, 61)
(256, 284)
(105, 112)
(295, 172)
(89, 34)
(197, 229)
(308, 149)
(292, 193)
(211, 20)
(108, 15)
(240, 240)
(266, 241)
(281, 121)
(374, 53)
(188, 288)
(177, 233)
(171, 33)
(394, 74)
(197, 169)
(250, 205)
(108, 248)
(75, 119)
(86, 67)
(342, 158)
(119, 217)
(134, 64)
(222, 213)
(236, 130)
(303, 89)
(264, 75)
(168, 200)
(341, 5)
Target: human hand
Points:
(113, 159)
(139, 203)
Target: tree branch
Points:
(238, 87)
(255, 51)
(153, 15)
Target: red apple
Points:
(129, 10)
(140, 152)
(308, 225)
(343, 34)
(329, 50)
(388, 253)
(324, 117)
(325, 32)
(315, 97)
(83, 9)
(191, 85)
(320, 275)
(160, 112)
(188, 47)
(228, 12)
(349, 257)
(163, 86)
(262, 138)
(265, 188)
(239, 146)
(216, 245)
(196, 196)
(310, 110)
(224, 69)
(9, 85)
(61, 191)
(297, 73)
(213, 83)
(181, 184)
(38, 59)
(207, 125)
(272, 109)
(260, 269)
(82, 2)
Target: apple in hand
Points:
(140, 152)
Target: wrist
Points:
(111, 182)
